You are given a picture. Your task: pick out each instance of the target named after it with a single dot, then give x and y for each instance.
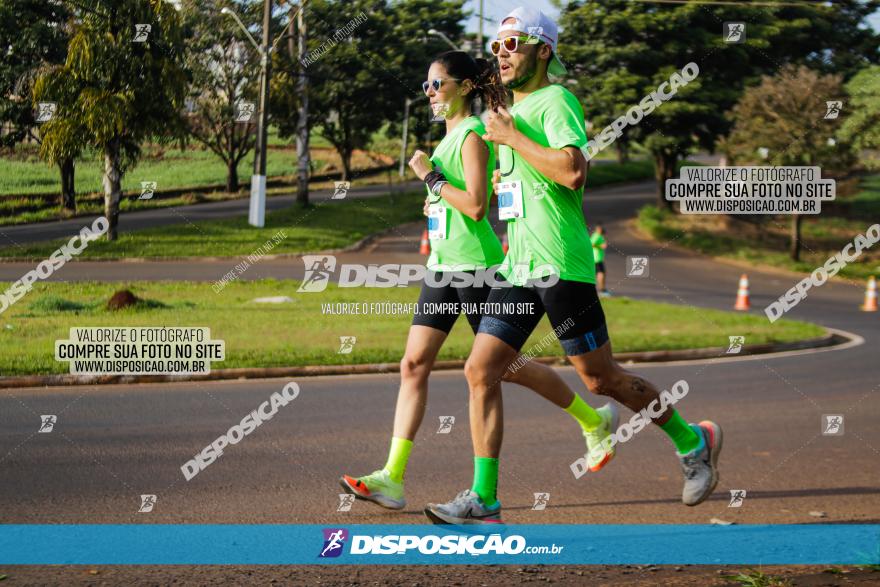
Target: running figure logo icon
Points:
(539, 190)
(334, 540)
(47, 423)
(346, 500)
(346, 345)
(446, 424)
(541, 500)
(535, 33)
(46, 110)
(141, 32)
(340, 189)
(148, 189)
(737, 496)
(318, 271)
(734, 32)
(439, 111)
(636, 266)
(832, 109)
(244, 111)
(832, 424)
(148, 502)
(736, 344)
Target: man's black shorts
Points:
(439, 307)
(572, 306)
(600, 267)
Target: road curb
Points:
(831, 338)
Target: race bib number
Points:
(510, 200)
(437, 221)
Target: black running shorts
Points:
(572, 306)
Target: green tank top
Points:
(468, 244)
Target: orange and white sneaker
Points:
(377, 487)
(599, 450)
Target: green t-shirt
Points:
(598, 252)
(468, 244)
(551, 236)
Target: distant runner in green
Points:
(599, 245)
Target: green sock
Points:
(584, 414)
(397, 458)
(681, 433)
(486, 479)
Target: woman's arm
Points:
(472, 203)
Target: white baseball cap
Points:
(534, 22)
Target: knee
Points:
(480, 377)
(602, 382)
(414, 367)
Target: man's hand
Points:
(425, 207)
(500, 128)
(420, 164)
(496, 179)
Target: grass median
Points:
(326, 225)
(767, 244)
(302, 333)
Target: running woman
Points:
(597, 239)
(457, 179)
(540, 189)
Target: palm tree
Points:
(122, 83)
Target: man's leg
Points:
(484, 368)
(588, 347)
(698, 446)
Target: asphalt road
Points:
(114, 443)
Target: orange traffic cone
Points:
(504, 244)
(870, 296)
(742, 294)
(425, 247)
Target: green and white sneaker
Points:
(700, 466)
(598, 454)
(377, 487)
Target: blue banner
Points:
(150, 544)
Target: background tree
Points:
(358, 82)
(861, 115)
(33, 36)
(785, 114)
(118, 91)
(224, 71)
(620, 51)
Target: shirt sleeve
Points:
(564, 123)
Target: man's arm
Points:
(566, 166)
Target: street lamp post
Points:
(448, 41)
(257, 209)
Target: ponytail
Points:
(482, 74)
(489, 85)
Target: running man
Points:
(597, 239)
(540, 143)
(462, 240)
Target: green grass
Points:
(822, 237)
(328, 225)
(757, 578)
(169, 167)
(606, 174)
(298, 333)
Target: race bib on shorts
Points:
(510, 200)
(438, 218)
